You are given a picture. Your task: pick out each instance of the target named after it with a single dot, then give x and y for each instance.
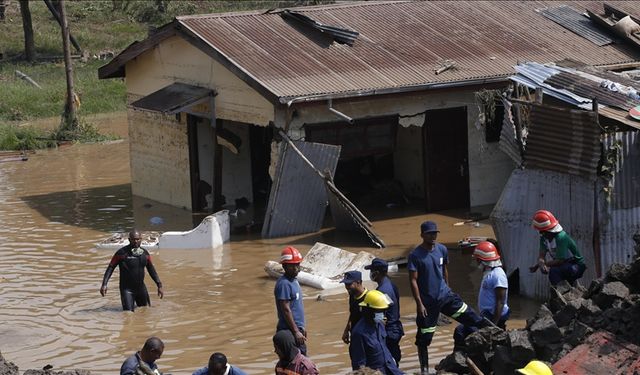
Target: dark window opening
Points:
(493, 125)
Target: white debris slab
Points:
(118, 240)
(212, 232)
(324, 266)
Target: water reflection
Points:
(61, 202)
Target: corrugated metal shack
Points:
(393, 83)
(582, 165)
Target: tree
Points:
(27, 26)
(70, 121)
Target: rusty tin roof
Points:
(399, 47)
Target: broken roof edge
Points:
(290, 100)
(304, 8)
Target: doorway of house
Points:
(446, 162)
(201, 156)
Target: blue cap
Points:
(377, 264)
(428, 227)
(351, 277)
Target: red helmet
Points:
(486, 252)
(290, 255)
(544, 220)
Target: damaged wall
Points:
(176, 60)
(489, 168)
(159, 158)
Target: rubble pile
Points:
(611, 303)
(9, 368)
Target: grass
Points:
(97, 26)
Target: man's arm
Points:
(347, 331)
(154, 275)
(115, 260)
(445, 273)
(501, 295)
(413, 281)
(288, 318)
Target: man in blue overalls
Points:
(378, 273)
(427, 265)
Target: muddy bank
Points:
(9, 368)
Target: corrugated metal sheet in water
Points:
(570, 198)
(619, 217)
(400, 44)
(298, 199)
(563, 140)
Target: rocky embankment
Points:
(611, 303)
(8, 368)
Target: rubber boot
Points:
(423, 357)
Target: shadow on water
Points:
(104, 209)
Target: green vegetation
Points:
(100, 27)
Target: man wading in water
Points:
(132, 260)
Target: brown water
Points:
(59, 203)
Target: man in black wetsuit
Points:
(132, 260)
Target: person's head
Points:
(290, 259)
(535, 368)
(429, 232)
(547, 224)
(217, 364)
(374, 304)
(352, 281)
(377, 269)
(135, 239)
(152, 349)
(285, 345)
(486, 254)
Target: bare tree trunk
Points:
(69, 115)
(27, 26)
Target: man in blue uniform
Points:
(428, 277)
(378, 273)
(132, 261)
(352, 281)
(368, 338)
(289, 298)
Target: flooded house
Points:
(384, 95)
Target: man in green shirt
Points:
(566, 262)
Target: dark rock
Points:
(7, 368)
(521, 347)
(609, 293)
(618, 272)
(545, 331)
(49, 372)
(568, 312)
(589, 313)
(543, 312)
(576, 332)
(455, 362)
(563, 287)
(594, 288)
(549, 352)
(502, 363)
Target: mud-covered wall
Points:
(176, 60)
(489, 168)
(159, 158)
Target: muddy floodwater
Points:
(58, 204)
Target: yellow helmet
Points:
(536, 368)
(375, 299)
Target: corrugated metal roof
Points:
(564, 140)
(399, 46)
(570, 198)
(619, 217)
(173, 98)
(591, 89)
(578, 23)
